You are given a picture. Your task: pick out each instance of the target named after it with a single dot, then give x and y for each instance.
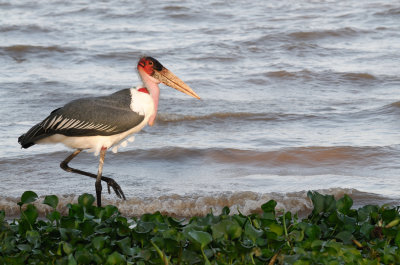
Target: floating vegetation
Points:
(334, 233)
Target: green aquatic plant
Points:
(334, 233)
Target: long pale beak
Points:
(168, 78)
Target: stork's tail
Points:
(24, 141)
(29, 138)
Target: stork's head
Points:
(153, 72)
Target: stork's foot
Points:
(113, 184)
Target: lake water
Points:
(296, 96)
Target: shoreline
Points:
(188, 206)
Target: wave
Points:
(197, 204)
(227, 116)
(315, 157)
(25, 28)
(287, 74)
(26, 49)
(391, 108)
(323, 76)
(299, 156)
(394, 11)
(357, 76)
(319, 34)
(395, 105)
(381, 112)
(121, 55)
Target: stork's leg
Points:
(99, 173)
(110, 182)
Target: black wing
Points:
(103, 116)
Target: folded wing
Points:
(108, 115)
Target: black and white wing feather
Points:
(94, 116)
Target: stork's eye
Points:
(150, 63)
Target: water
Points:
(296, 96)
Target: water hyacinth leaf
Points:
(33, 238)
(24, 247)
(108, 211)
(67, 222)
(203, 238)
(389, 255)
(124, 244)
(313, 232)
(365, 212)
(297, 235)
(247, 243)
(334, 247)
(115, 258)
(322, 203)
(227, 228)
(51, 200)
(261, 242)
(2, 216)
(269, 206)
(87, 228)
(190, 257)
(277, 229)
(397, 239)
(329, 203)
(345, 237)
(170, 233)
(219, 230)
(83, 256)
(251, 232)
(86, 200)
(239, 219)
(31, 214)
(350, 223)
(144, 227)
(303, 262)
(317, 244)
(71, 260)
(54, 216)
(86, 215)
(76, 210)
(28, 197)
(366, 230)
(234, 230)
(268, 216)
(63, 233)
(67, 247)
(174, 221)
(98, 242)
(225, 211)
(389, 215)
(155, 217)
(103, 230)
(344, 204)
(123, 230)
(317, 200)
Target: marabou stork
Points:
(99, 123)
